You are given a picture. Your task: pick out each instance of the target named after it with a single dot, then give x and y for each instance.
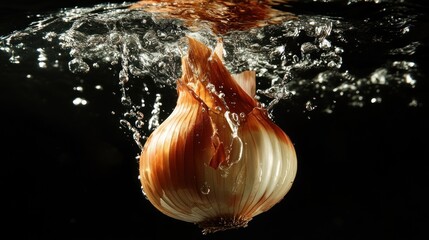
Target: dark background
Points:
(71, 173)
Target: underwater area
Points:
(84, 83)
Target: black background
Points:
(71, 173)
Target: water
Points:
(304, 61)
(82, 88)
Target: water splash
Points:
(306, 62)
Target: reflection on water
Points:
(221, 16)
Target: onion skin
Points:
(218, 160)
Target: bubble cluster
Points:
(308, 62)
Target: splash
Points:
(306, 62)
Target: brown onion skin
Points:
(247, 164)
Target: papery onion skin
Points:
(218, 160)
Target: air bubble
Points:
(15, 59)
(143, 192)
(78, 66)
(126, 101)
(211, 87)
(125, 123)
(50, 36)
(205, 188)
(123, 77)
(309, 106)
(43, 65)
(80, 101)
(139, 123)
(296, 59)
(376, 100)
(154, 120)
(324, 44)
(234, 117)
(308, 47)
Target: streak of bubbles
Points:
(306, 62)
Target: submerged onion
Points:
(218, 160)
